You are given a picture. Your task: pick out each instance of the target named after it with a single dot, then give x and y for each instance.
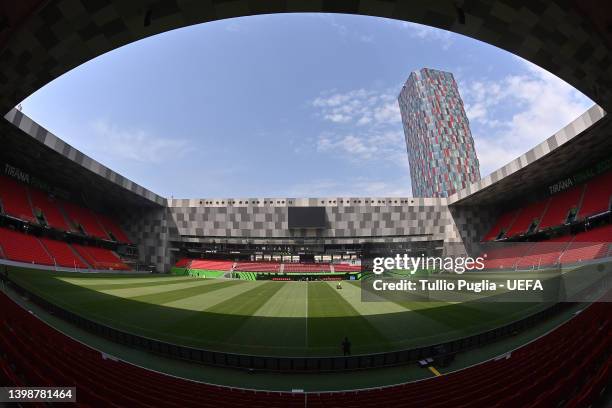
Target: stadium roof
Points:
(584, 141)
(42, 153)
(42, 39)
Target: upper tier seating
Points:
(100, 258)
(559, 207)
(111, 226)
(21, 247)
(63, 254)
(531, 214)
(597, 196)
(272, 267)
(211, 265)
(15, 201)
(50, 209)
(307, 268)
(86, 218)
(502, 225)
(540, 374)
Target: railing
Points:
(294, 364)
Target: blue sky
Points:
(290, 105)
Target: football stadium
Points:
(122, 297)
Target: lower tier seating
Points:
(21, 247)
(569, 364)
(307, 268)
(586, 246)
(63, 254)
(211, 265)
(100, 258)
(347, 268)
(272, 267)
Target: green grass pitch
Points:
(263, 317)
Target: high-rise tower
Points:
(440, 146)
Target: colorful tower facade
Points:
(440, 146)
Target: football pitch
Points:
(263, 317)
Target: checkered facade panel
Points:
(354, 221)
(440, 146)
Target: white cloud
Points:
(426, 33)
(512, 115)
(359, 106)
(353, 187)
(137, 145)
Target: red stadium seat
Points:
(597, 196)
(110, 225)
(211, 265)
(63, 254)
(502, 225)
(21, 247)
(50, 209)
(529, 215)
(15, 200)
(539, 374)
(100, 258)
(85, 218)
(559, 207)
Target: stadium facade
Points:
(439, 142)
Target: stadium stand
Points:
(63, 254)
(545, 253)
(593, 244)
(15, 200)
(585, 246)
(539, 374)
(307, 268)
(596, 199)
(211, 265)
(528, 219)
(502, 225)
(110, 225)
(347, 268)
(271, 267)
(100, 258)
(49, 208)
(597, 196)
(560, 206)
(85, 218)
(183, 263)
(21, 247)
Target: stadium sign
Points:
(580, 177)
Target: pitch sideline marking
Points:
(433, 370)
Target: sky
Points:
(290, 105)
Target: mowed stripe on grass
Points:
(280, 322)
(216, 325)
(331, 318)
